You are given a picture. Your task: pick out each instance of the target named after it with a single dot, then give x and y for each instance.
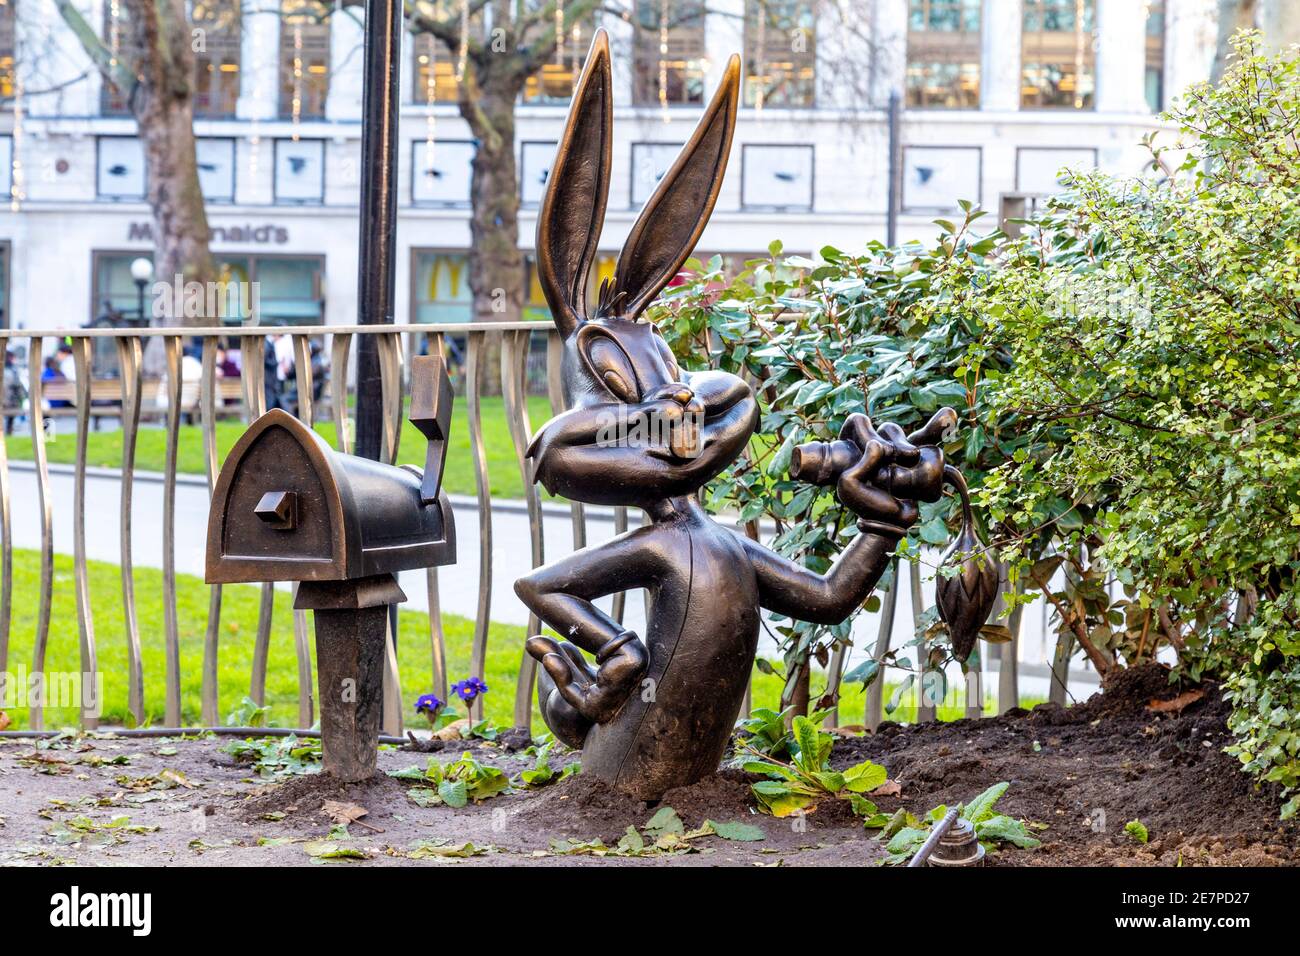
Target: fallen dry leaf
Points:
(347, 813)
(889, 788)
(4, 720)
(1176, 705)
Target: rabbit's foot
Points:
(596, 696)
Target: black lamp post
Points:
(141, 273)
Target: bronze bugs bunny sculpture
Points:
(654, 714)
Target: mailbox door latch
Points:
(279, 509)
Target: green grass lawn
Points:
(104, 448)
(238, 631)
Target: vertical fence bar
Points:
(390, 386)
(437, 638)
(253, 374)
(301, 632)
(45, 599)
(514, 380)
(555, 393)
(834, 674)
(1009, 668)
(875, 709)
(339, 349)
(90, 702)
(619, 604)
(171, 630)
(209, 708)
(129, 352)
(473, 386)
(6, 546)
(925, 709)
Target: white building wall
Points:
(62, 223)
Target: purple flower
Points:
(428, 704)
(468, 689)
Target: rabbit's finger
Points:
(858, 428)
(561, 670)
(904, 451)
(932, 433)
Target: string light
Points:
(297, 77)
(254, 132)
(431, 94)
(663, 58)
(559, 33)
(760, 87)
(577, 46)
(16, 192)
(463, 58)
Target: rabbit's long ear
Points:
(568, 224)
(670, 224)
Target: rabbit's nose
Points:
(677, 392)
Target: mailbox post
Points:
(287, 507)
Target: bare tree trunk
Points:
(1279, 21)
(159, 88)
(496, 264)
(1233, 15)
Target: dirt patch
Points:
(1088, 770)
(1083, 771)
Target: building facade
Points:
(995, 97)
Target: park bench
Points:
(106, 400)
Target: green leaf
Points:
(981, 808)
(454, 793)
(735, 830)
(665, 820)
(1137, 830)
(864, 777)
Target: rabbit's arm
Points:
(561, 594)
(791, 589)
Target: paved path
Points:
(458, 584)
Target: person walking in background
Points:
(53, 373)
(15, 392)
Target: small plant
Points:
(905, 833)
(769, 733)
(247, 714)
(1138, 831)
(277, 756)
(543, 773)
(454, 784)
(808, 778)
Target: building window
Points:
(776, 177)
(440, 172)
(6, 168)
(304, 59)
(8, 44)
(120, 172)
(1155, 49)
(435, 71)
(535, 307)
(5, 254)
(535, 159)
(780, 57)
(943, 54)
(300, 170)
(216, 66)
(937, 178)
(216, 160)
(554, 84)
(1057, 54)
(120, 40)
(668, 53)
(440, 287)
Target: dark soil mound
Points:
(303, 796)
(722, 797)
(583, 808)
(1088, 770)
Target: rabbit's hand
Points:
(894, 471)
(596, 695)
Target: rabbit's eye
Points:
(612, 366)
(670, 360)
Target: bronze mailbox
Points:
(287, 507)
